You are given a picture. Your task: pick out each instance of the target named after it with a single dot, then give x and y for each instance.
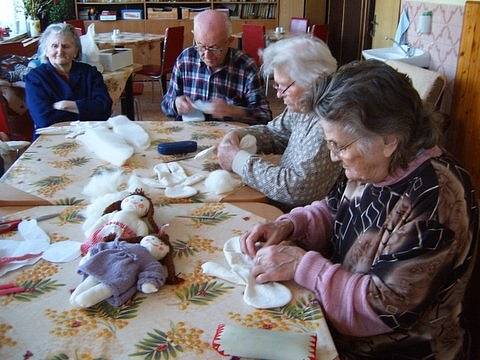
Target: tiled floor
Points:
(151, 109)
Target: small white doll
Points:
(116, 270)
(129, 218)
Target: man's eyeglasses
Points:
(203, 49)
(277, 87)
(334, 148)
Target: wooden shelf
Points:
(243, 10)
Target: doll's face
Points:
(155, 246)
(137, 204)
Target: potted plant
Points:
(33, 10)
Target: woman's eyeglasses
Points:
(334, 148)
(277, 87)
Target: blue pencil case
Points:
(177, 147)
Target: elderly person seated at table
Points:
(61, 88)
(214, 72)
(390, 250)
(301, 66)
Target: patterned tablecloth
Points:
(177, 322)
(125, 38)
(116, 80)
(57, 169)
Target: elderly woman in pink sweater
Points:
(389, 251)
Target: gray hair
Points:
(58, 29)
(369, 99)
(307, 61)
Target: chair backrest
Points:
(4, 127)
(429, 84)
(77, 24)
(173, 46)
(253, 39)
(298, 25)
(320, 31)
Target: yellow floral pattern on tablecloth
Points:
(57, 169)
(179, 321)
(115, 82)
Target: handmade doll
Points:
(130, 220)
(131, 217)
(116, 270)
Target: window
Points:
(12, 16)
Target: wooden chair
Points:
(253, 40)
(22, 48)
(320, 31)
(173, 46)
(298, 25)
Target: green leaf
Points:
(69, 201)
(36, 289)
(212, 217)
(203, 293)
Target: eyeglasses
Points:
(277, 87)
(334, 148)
(203, 49)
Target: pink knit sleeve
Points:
(312, 224)
(343, 295)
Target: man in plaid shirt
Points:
(212, 71)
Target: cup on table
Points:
(115, 33)
(279, 30)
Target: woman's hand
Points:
(276, 263)
(227, 149)
(271, 233)
(66, 105)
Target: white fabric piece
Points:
(62, 251)
(204, 154)
(204, 106)
(180, 192)
(264, 344)
(107, 145)
(36, 242)
(261, 296)
(402, 27)
(193, 179)
(195, 115)
(131, 132)
(220, 182)
(249, 144)
(170, 174)
(105, 183)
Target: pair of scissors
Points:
(12, 225)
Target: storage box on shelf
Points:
(132, 14)
(162, 13)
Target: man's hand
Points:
(183, 104)
(66, 105)
(271, 234)
(227, 149)
(220, 109)
(277, 263)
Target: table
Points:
(146, 47)
(55, 169)
(179, 319)
(120, 81)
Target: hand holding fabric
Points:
(227, 149)
(276, 263)
(221, 109)
(183, 104)
(270, 233)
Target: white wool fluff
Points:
(135, 182)
(130, 131)
(221, 181)
(107, 145)
(94, 211)
(105, 183)
(249, 144)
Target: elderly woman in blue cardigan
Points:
(61, 88)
